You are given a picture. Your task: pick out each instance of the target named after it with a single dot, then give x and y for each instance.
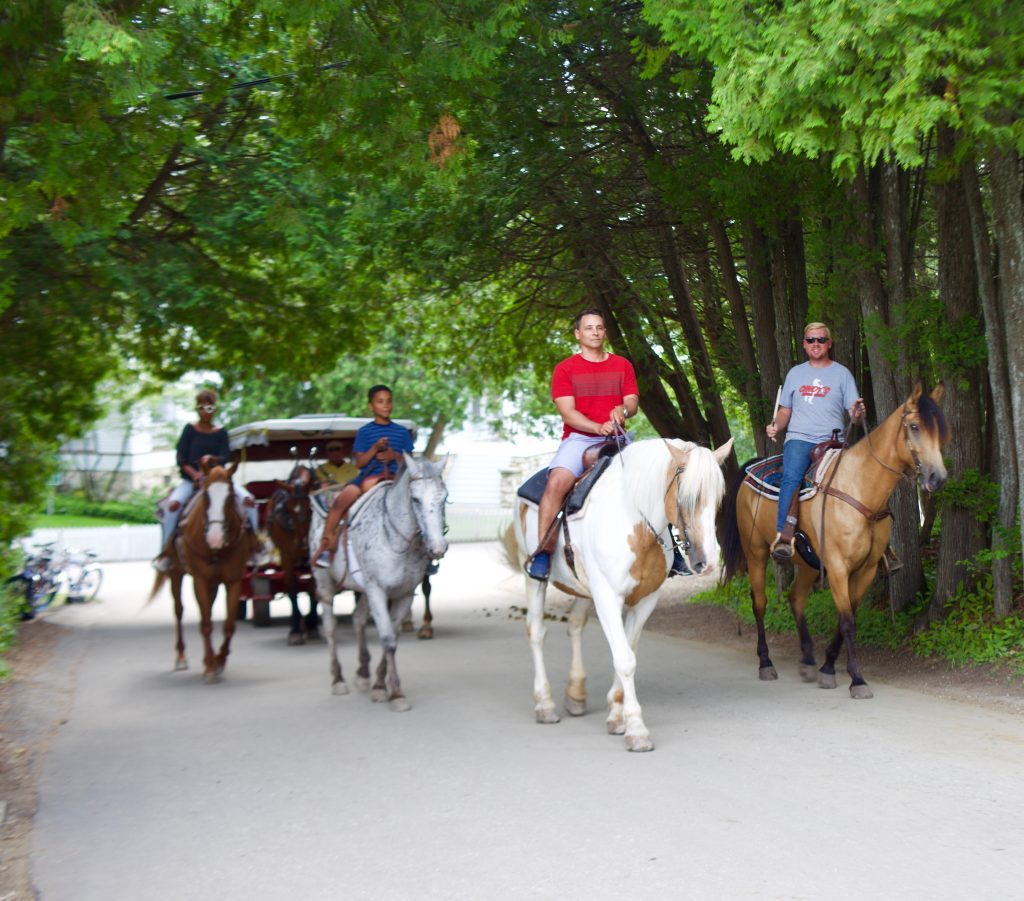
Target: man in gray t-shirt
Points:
(815, 398)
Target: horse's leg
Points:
(180, 660)
(360, 617)
(628, 717)
(232, 592)
(576, 690)
(386, 686)
(330, 623)
(427, 629)
(757, 564)
(204, 598)
(543, 705)
(313, 620)
(858, 583)
(392, 684)
(295, 636)
(798, 593)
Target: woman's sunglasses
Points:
(821, 339)
(206, 408)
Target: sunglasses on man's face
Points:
(334, 450)
(206, 408)
(821, 339)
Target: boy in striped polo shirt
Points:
(378, 447)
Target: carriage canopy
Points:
(301, 436)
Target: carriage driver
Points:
(335, 471)
(595, 391)
(378, 447)
(815, 397)
(199, 440)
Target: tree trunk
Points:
(960, 537)
(1005, 468)
(762, 307)
(1008, 219)
(907, 582)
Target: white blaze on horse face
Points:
(216, 500)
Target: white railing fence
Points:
(466, 522)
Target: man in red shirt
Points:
(595, 392)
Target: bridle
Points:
(389, 522)
(902, 473)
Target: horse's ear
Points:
(231, 467)
(916, 393)
(443, 465)
(722, 453)
(410, 461)
(937, 392)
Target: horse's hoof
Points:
(211, 678)
(826, 680)
(399, 705)
(808, 672)
(425, 631)
(574, 707)
(615, 727)
(180, 665)
(295, 638)
(339, 688)
(378, 695)
(639, 743)
(767, 674)
(408, 626)
(546, 716)
(362, 683)
(861, 692)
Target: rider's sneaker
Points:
(539, 566)
(162, 564)
(324, 560)
(679, 567)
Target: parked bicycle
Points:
(82, 576)
(39, 580)
(47, 573)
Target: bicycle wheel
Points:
(21, 588)
(86, 587)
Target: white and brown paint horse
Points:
(622, 552)
(213, 545)
(853, 513)
(394, 532)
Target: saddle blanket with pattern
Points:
(765, 476)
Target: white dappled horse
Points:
(394, 532)
(622, 553)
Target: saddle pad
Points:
(765, 476)
(533, 487)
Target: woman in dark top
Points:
(199, 440)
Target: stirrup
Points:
(891, 562)
(539, 566)
(782, 550)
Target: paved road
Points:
(268, 787)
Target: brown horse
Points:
(213, 545)
(853, 513)
(288, 525)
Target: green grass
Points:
(72, 521)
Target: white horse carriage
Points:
(620, 555)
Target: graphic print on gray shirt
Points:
(819, 398)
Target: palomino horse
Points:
(394, 531)
(853, 513)
(622, 551)
(213, 545)
(288, 524)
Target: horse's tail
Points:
(511, 546)
(732, 548)
(158, 583)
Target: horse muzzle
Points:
(933, 479)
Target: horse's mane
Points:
(932, 420)
(646, 468)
